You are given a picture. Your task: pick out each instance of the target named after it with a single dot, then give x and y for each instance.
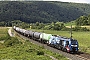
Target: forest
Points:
(43, 12)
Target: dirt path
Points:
(11, 33)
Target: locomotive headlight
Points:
(74, 45)
(78, 48)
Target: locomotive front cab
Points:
(74, 45)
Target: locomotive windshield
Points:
(73, 42)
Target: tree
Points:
(82, 20)
(88, 19)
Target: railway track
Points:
(69, 56)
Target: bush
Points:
(5, 37)
(78, 28)
(12, 41)
(30, 50)
(40, 52)
(65, 29)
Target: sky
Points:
(76, 1)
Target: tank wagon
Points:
(31, 34)
(17, 29)
(26, 33)
(23, 31)
(14, 27)
(36, 35)
(59, 42)
(45, 37)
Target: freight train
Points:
(59, 42)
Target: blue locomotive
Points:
(63, 43)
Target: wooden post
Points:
(71, 32)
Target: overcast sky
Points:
(77, 1)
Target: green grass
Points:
(70, 23)
(23, 51)
(82, 37)
(26, 51)
(3, 32)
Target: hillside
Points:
(32, 12)
(17, 48)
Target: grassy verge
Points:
(3, 33)
(25, 50)
(3, 36)
(28, 51)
